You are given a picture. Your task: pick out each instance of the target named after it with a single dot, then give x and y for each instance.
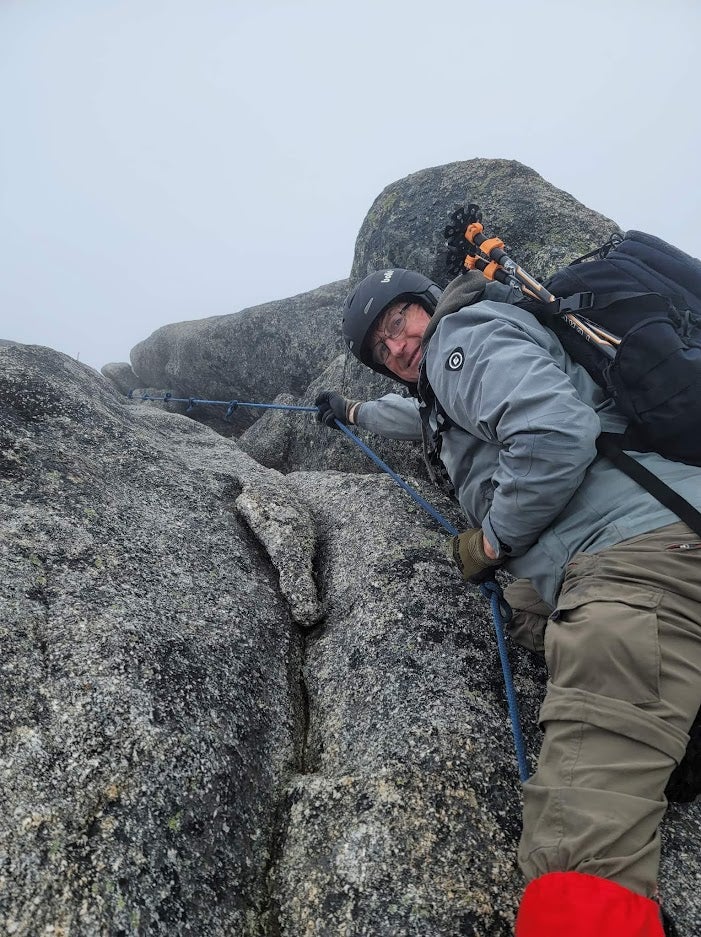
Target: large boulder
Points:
(121, 374)
(251, 356)
(543, 226)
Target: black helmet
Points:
(365, 304)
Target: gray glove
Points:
(333, 407)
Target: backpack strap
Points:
(607, 445)
(433, 440)
(649, 303)
(431, 445)
(589, 303)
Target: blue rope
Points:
(399, 480)
(501, 613)
(230, 405)
(491, 589)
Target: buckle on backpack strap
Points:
(576, 302)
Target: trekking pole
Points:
(498, 265)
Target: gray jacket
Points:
(522, 453)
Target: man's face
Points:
(396, 339)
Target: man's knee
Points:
(530, 615)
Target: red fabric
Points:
(571, 904)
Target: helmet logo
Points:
(387, 277)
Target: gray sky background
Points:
(163, 160)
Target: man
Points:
(518, 422)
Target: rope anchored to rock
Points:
(230, 405)
(491, 590)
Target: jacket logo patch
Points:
(455, 360)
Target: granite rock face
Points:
(213, 674)
(406, 819)
(236, 702)
(542, 226)
(252, 355)
(122, 376)
(151, 701)
(290, 441)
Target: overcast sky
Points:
(163, 160)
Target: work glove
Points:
(333, 407)
(467, 551)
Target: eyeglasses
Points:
(393, 328)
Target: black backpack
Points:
(648, 293)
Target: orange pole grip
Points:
(473, 229)
(488, 246)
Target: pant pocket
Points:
(603, 638)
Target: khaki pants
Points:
(623, 649)
(530, 615)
